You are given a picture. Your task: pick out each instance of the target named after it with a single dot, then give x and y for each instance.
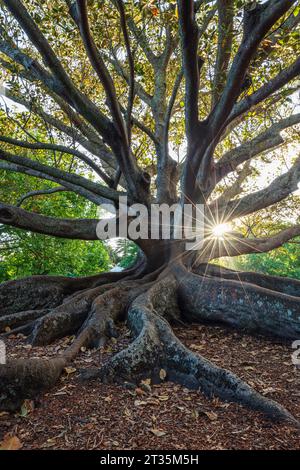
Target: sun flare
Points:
(220, 230)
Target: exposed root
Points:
(155, 347)
(42, 292)
(65, 319)
(20, 379)
(284, 285)
(240, 305)
(151, 303)
(20, 318)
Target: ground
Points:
(91, 415)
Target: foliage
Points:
(43, 110)
(125, 253)
(284, 261)
(25, 253)
(29, 253)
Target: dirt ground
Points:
(91, 415)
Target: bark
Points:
(241, 305)
(163, 288)
(150, 300)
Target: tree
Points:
(122, 86)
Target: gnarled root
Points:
(20, 379)
(42, 292)
(239, 304)
(151, 304)
(284, 285)
(155, 347)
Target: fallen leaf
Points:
(163, 397)
(70, 370)
(211, 415)
(158, 432)
(10, 443)
(139, 403)
(26, 408)
(162, 374)
(127, 413)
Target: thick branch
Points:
(241, 246)
(271, 138)
(257, 22)
(278, 190)
(80, 16)
(189, 45)
(17, 168)
(265, 91)
(97, 149)
(61, 175)
(58, 148)
(68, 90)
(225, 35)
(236, 188)
(81, 229)
(131, 66)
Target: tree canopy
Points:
(160, 101)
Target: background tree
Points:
(160, 102)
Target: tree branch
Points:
(63, 82)
(265, 91)
(278, 190)
(257, 22)
(131, 94)
(98, 149)
(142, 40)
(80, 229)
(266, 140)
(40, 192)
(58, 148)
(189, 45)
(79, 13)
(241, 246)
(17, 168)
(61, 175)
(225, 36)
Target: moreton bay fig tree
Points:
(193, 102)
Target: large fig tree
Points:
(165, 103)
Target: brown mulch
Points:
(90, 415)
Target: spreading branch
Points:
(80, 229)
(267, 140)
(61, 79)
(273, 85)
(225, 36)
(40, 192)
(58, 148)
(189, 46)
(278, 190)
(60, 175)
(242, 246)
